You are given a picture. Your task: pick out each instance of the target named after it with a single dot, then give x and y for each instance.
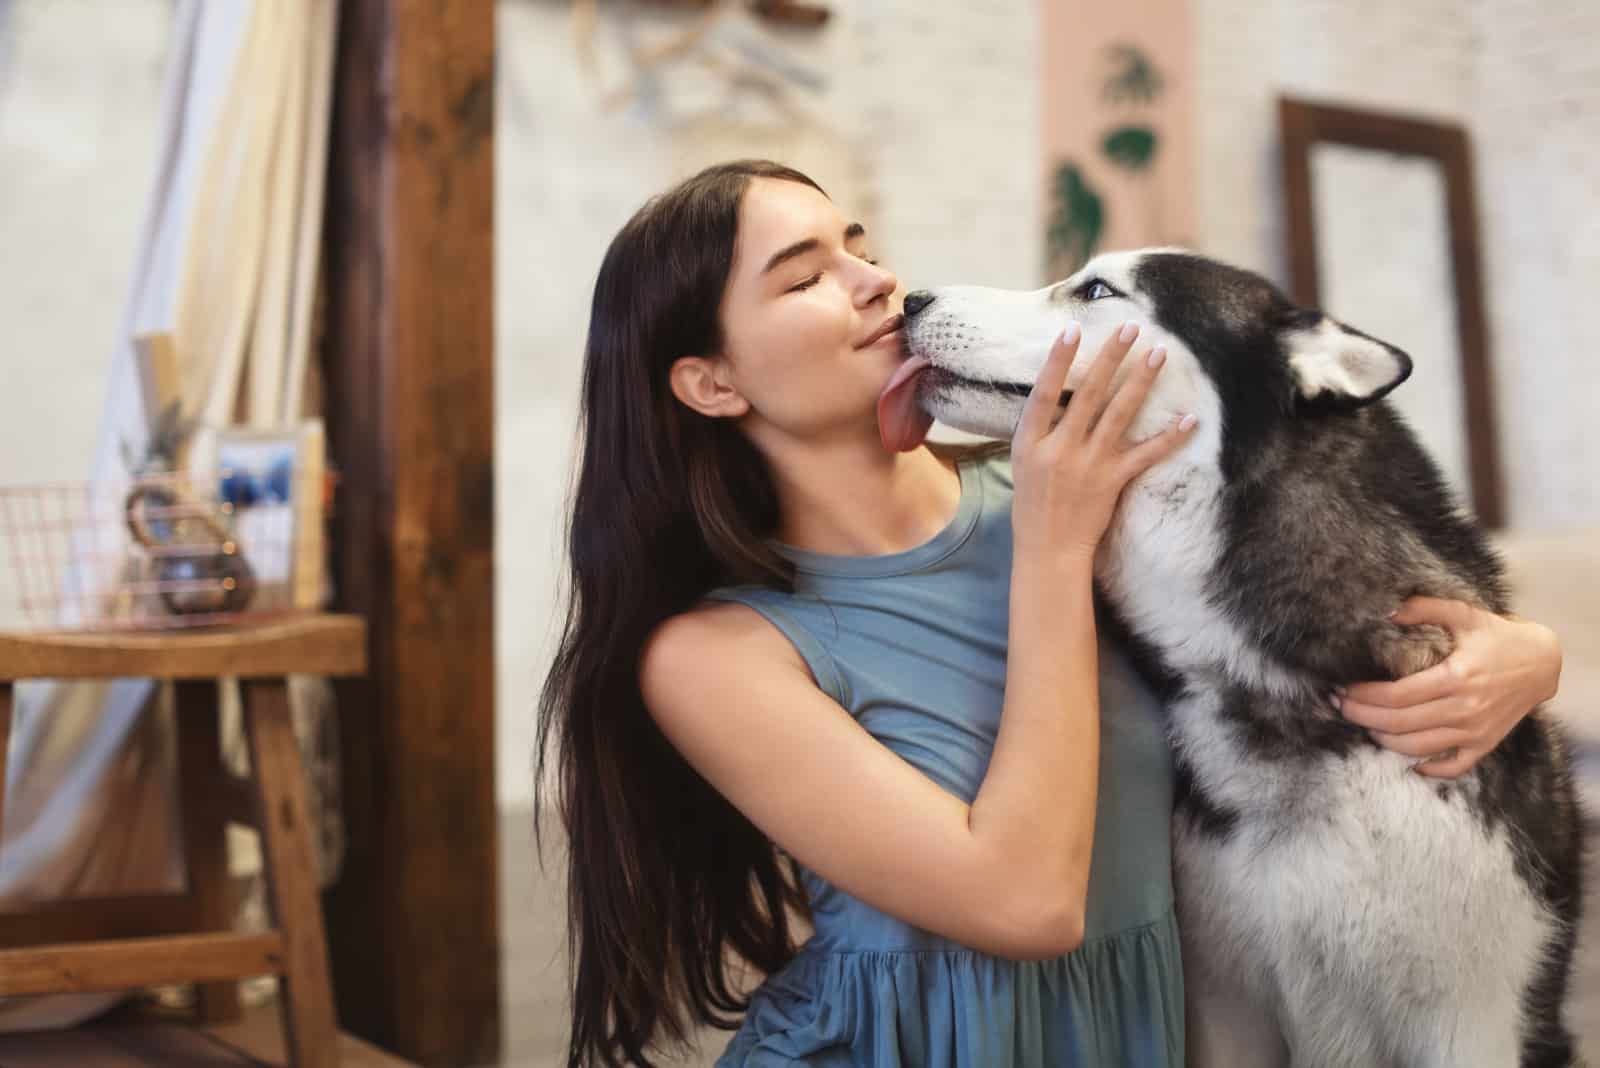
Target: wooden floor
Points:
(126, 1040)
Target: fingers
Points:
(1151, 451)
(1447, 765)
(1423, 744)
(1453, 615)
(1129, 397)
(1429, 684)
(1045, 397)
(1089, 399)
(1429, 715)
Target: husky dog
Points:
(1336, 908)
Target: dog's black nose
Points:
(916, 301)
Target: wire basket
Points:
(164, 549)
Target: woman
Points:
(805, 671)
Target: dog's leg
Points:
(1228, 1029)
(1326, 1027)
(1226, 1024)
(1466, 1036)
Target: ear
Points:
(1335, 365)
(700, 382)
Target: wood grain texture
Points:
(409, 376)
(129, 963)
(311, 644)
(202, 780)
(290, 866)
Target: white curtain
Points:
(227, 268)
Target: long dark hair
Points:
(664, 875)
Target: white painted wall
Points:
(928, 129)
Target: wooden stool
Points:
(99, 944)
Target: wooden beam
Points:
(135, 962)
(408, 351)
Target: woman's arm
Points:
(1502, 667)
(738, 702)
(1007, 875)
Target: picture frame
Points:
(273, 484)
(1308, 127)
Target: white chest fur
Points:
(1364, 918)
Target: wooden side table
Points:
(99, 944)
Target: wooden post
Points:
(408, 356)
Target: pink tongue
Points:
(901, 424)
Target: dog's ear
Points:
(1335, 366)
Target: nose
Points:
(916, 301)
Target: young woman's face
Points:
(803, 316)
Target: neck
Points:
(857, 499)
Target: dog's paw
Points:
(1407, 650)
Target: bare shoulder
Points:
(710, 643)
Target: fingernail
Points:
(1070, 335)
(1337, 702)
(1391, 615)
(1128, 332)
(1187, 423)
(1157, 357)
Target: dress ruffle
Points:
(1117, 1000)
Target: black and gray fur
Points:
(1337, 908)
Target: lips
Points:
(890, 325)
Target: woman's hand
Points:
(1067, 478)
(1459, 709)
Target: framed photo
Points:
(273, 486)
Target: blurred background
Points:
(1328, 144)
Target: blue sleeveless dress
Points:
(913, 645)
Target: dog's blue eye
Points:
(1098, 290)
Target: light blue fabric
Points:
(913, 645)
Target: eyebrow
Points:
(800, 248)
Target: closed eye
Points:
(807, 284)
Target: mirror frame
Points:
(1304, 124)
